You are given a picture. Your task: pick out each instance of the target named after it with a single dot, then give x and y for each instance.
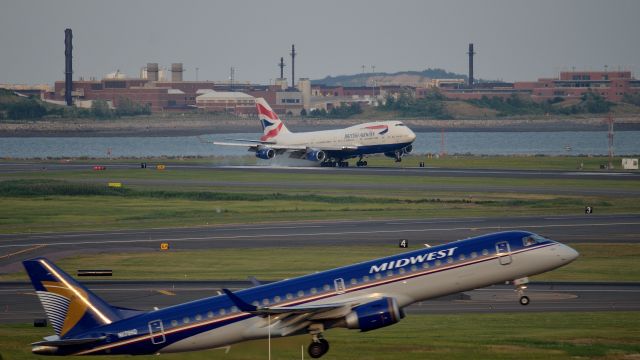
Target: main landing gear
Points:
(521, 285)
(361, 162)
(319, 346)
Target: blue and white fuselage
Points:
(363, 296)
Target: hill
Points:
(403, 78)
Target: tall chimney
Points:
(293, 66)
(68, 66)
(471, 53)
(281, 65)
(176, 72)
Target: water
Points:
(478, 143)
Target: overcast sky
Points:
(514, 40)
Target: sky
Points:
(514, 40)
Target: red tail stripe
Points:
(266, 112)
(271, 133)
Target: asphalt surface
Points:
(19, 304)
(16, 167)
(567, 229)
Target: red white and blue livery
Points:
(328, 147)
(364, 296)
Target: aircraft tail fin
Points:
(70, 307)
(272, 126)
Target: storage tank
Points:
(152, 71)
(176, 72)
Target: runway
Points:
(17, 167)
(567, 229)
(18, 303)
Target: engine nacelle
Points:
(408, 149)
(316, 155)
(265, 154)
(374, 315)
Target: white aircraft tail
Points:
(271, 124)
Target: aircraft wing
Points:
(282, 309)
(256, 145)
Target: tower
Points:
(293, 65)
(68, 66)
(471, 53)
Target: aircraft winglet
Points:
(243, 306)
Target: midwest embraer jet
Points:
(328, 147)
(364, 296)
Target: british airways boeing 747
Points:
(328, 147)
(364, 296)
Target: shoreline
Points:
(136, 127)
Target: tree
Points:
(101, 110)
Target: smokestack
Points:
(68, 66)
(293, 66)
(471, 53)
(281, 65)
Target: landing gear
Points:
(399, 156)
(319, 346)
(521, 285)
(361, 162)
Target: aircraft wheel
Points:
(364, 163)
(524, 300)
(319, 348)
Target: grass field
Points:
(604, 335)
(613, 262)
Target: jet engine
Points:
(374, 315)
(408, 149)
(265, 154)
(316, 155)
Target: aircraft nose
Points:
(568, 254)
(412, 135)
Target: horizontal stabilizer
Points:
(68, 342)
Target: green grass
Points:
(613, 262)
(548, 336)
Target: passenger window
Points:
(390, 273)
(474, 255)
(449, 260)
(265, 301)
(210, 314)
(234, 309)
(438, 262)
(378, 276)
(314, 290)
(425, 265)
(198, 317)
(276, 299)
(185, 320)
(485, 252)
(365, 278)
(461, 257)
(174, 322)
(289, 296)
(326, 287)
(255, 303)
(353, 281)
(414, 268)
(223, 311)
(301, 293)
(401, 271)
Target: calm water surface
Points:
(478, 143)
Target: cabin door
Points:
(339, 284)
(504, 253)
(156, 330)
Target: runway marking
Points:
(265, 236)
(22, 251)
(165, 292)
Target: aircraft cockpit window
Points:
(532, 240)
(400, 124)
